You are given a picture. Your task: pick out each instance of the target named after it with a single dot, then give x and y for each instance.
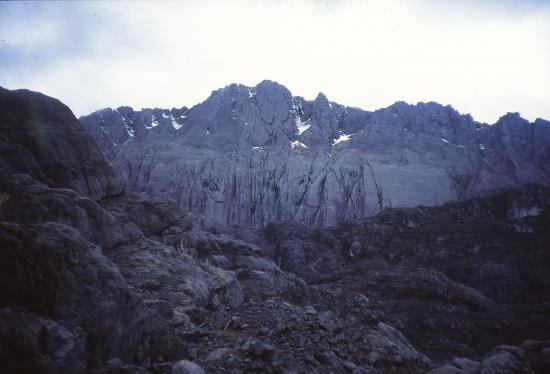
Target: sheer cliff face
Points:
(253, 155)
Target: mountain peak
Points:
(321, 99)
(512, 118)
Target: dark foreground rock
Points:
(41, 137)
(39, 345)
(51, 271)
(81, 254)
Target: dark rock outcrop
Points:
(39, 345)
(41, 137)
(78, 251)
(259, 275)
(52, 272)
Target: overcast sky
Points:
(483, 57)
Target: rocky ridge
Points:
(249, 156)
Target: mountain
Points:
(249, 156)
(96, 278)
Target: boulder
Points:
(29, 343)
(51, 271)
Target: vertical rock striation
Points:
(253, 155)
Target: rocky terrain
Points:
(97, 277)
(249, 156)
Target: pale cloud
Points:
(483, 59)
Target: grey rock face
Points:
(158, 270)
(329, 321)
(27, 201)
(528, 358)
(388, 343)
(253, 155)
(259, 276)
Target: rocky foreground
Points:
(94, 278)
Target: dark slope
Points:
(41, 137)
(68, 263)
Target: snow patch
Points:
(522, 227)
(296, 143)
(482, 147)
(302, 125)
(154, 123)
(176, 125)
(445, 141)
(256, 148)
(297, 109)
(461, 146)
(129, 130)
(410, 223)
(341, 138)
(526, 212)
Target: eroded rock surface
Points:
(249, 156)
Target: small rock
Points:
(311, 360)
(186, 367)
(310, 310)
(329, 321)
(349, 365)
(214, 301)
(133, 369)
(234, 323)
(110, 367)
(231, 362)
(326, 358)
(218, 354)
(262, 350)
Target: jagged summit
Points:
(237, 93)
(321, 99)
(253, 155)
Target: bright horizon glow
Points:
(483, 58)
